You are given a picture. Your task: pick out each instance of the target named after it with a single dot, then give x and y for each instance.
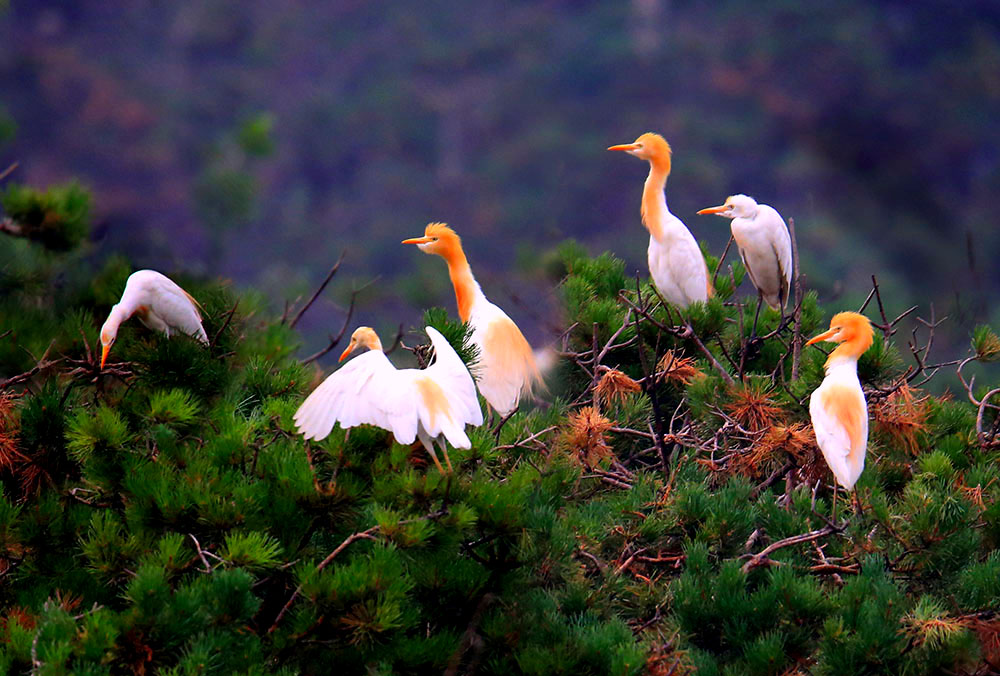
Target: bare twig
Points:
(797, 300)
(718, 267)
(225, 324)
(334, 340)
(9, 170)
(201, 553)
(758, 559)
(312, 299)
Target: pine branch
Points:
(368, 534)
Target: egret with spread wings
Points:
(432, 404)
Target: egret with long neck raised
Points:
(676, 263)
(506, 371)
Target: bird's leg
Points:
(833, 515)
(444, 450)
(753, 331)
(856, 502)
(750, 349)
(503, 421)
(430, 449)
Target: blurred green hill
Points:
(259, 142)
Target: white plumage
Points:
(438, 401)
(839, 411)
(765, 246)
(159, 303)
(837, 407)
(676, 263)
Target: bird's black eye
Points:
(434, 239)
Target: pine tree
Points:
(163, 517)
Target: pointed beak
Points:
(713, 210)
(625, 147)
(417, 240)
(347, 352)
(104, 354)
(821, 337)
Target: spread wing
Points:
(447, 400)
(840, 420)
(353, 395)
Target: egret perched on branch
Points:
(438, 401)
(506, 369)
(159, 304)
(765, 247)
(838, 407)
(675, 261)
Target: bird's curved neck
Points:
(466, 287)
(654, 201)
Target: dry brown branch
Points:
(761, 557)
(797, 303)
(722, 258)
(9, 170)
(334, 340)
(312, 299)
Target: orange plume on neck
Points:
(448, 245)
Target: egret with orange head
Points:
(675, 261)
(506, 369)
(838, 408)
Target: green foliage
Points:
(169, 519)
(58, 218)
(457, 333)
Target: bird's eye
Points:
(434, 239)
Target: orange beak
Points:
(347, 352)
(418, 240)
(714, 210)
(821, 337)
(625, 146)
(104, 354)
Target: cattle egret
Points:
(159, 304)
(675, 261)
(838, 408)
(438, 401)
(765, 247)
(506, 369)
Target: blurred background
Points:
(258, 140)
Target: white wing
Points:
(677, 264)
(353, 395)
(506, 368)
(781, 242)
(455, 381)
(840, 421)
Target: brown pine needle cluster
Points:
(988, 633)
(676, 368)
(752, 407)
(902, 417)
(933, 630)
(615, 386)
(584, 436)
(775, 446)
